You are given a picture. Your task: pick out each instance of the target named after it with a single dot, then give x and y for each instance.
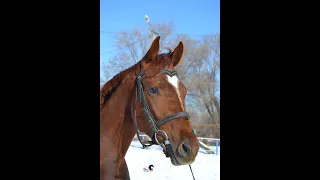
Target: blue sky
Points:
(191, 17)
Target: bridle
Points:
(155, 125)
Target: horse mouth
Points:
(176, 161)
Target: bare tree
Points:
(132, 45)
(106, 75)
(213, 70)
(199, 71)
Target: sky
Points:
(191, 17)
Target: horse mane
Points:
(162, 61)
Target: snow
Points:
(205, 167)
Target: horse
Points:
(149, 97)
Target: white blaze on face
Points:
(174, 81)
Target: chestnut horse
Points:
(147, 96)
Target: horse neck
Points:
(115, 119)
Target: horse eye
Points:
(153, 90)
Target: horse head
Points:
(158, 106)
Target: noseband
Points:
(155, 125)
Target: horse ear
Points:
(176, 55)
(153, 51)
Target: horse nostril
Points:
(184, 149)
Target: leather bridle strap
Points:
(172, 117)
(135, 123)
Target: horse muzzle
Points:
(182, 155)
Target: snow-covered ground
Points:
(205, 167)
